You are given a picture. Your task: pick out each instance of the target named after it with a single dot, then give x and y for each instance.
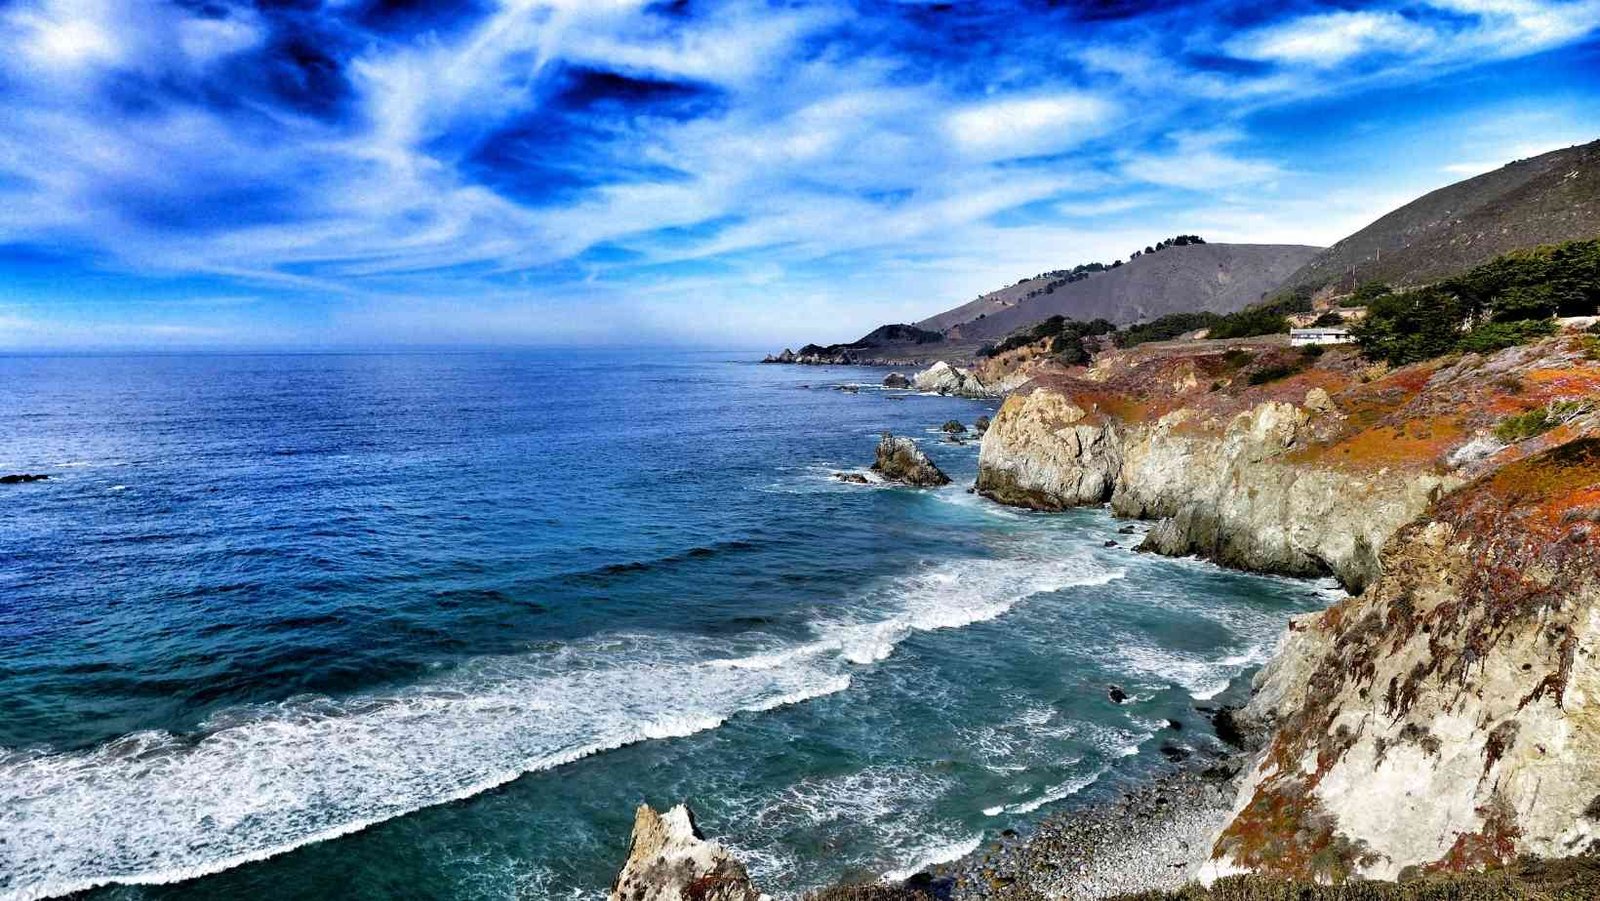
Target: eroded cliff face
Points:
(1237, 498)
(1308, 474)
(1229, 494)
(1447, 718)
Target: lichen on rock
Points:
(1447, 718)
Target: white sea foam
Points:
(932, 855)
(154, 808)
(1059, 793)
(1202, 677)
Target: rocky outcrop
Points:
(669, 860)
(1446, 719)
(900, 460)
(21, 478)
(817, 355)
(1238, 501)
(896, 380)
(942, 378)
(1044, 452)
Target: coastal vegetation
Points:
(1066, 338)
(1510, 300)
(1267, 318)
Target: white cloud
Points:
(1518, 27)
(1329, 39)
(1199, 161)
(1013, 127)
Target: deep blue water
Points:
(380, 626)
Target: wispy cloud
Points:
(507, 163)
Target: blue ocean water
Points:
(431, 625)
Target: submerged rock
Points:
(900, 460)
(854, 478)
(1116, 694)
(669, 860)
(896, 380)
(21, 477)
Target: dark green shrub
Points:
(1492, 336)
(1250, 323)
(1164, 329)
(1522, 426)
(1328, 320)
(1410, 327)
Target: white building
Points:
(1299, 337)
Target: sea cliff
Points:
(1438, 719)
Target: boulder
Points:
(669, 860)
(896, 380)
(900, 460)
(942, 378)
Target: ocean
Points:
(432, 625)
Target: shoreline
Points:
(1154, 834)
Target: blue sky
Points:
(362, 173)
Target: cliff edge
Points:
(1438, 720)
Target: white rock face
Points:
(1231, 499)
(1041, 451)
(942, 378)
(1237, 502)
(1438, 720)
(668, 860)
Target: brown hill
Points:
(1543, 200)
(1220, 278)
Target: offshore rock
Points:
(21, 478)
(900, 460)
(942, 378)
(981, 425)
(953, 427)
(669, 860)
(896, 380)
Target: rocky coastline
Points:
(1436, 721)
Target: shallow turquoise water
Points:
(431, 626)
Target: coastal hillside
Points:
(1438, 720)
(1543, 200)
(1219, 278)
